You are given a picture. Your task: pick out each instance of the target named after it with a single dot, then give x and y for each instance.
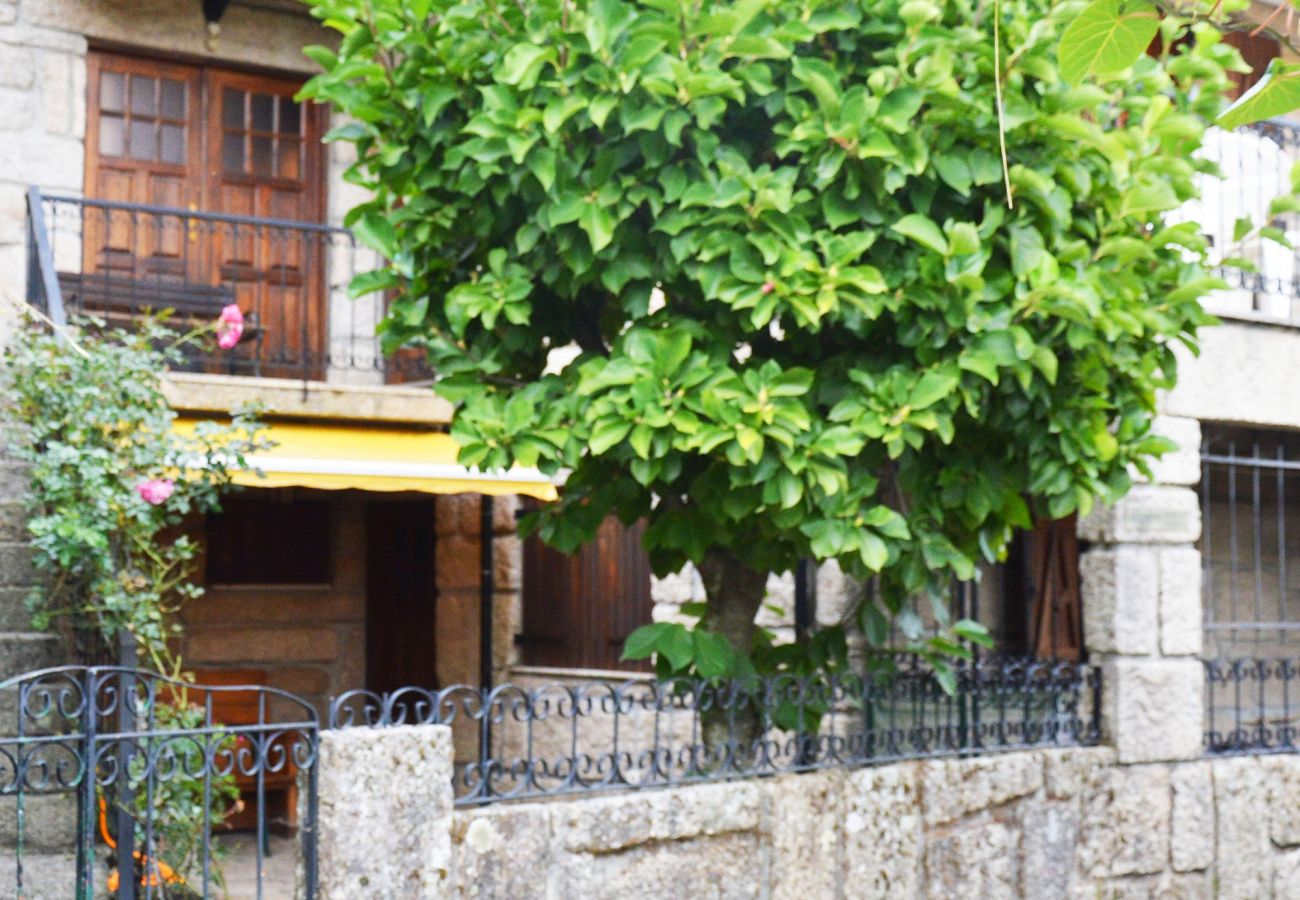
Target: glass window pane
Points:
(263, 108)
(173, 99)
(232, 153)
(111, 91)
(290, 116)
(142, 95)
(112, 136)
(232, 108)
(262, 156)
(144, 140)
(288, 160)
(172, 144)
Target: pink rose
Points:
(156, 490)
(230, 326)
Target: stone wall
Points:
(1072, 823)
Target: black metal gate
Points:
(179, 790)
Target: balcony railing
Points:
(1256, 163)
(117, 262)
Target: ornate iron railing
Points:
(1256, 163)
(139, 777)
(1252, 705)
(526, 741)
(117, 262)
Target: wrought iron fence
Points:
(526, 741)
(1251, 705)
(117, 262)
(121, 782)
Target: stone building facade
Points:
(1144, 816)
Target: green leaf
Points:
(675, 645)
(1276, 94)
(541, 162)
(714, 655)
(1148, 195)
(377, 232)
(523, 63)
(641, 643)
(933, 387)
(922, 230)
(599, 225)
(559, 110)
(608, 433)
(1108, 36)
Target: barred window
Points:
(1250, 541)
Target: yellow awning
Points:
(339, 457)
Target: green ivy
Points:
(807, 321)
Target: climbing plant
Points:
(111, 480)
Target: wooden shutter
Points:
(1056, 620)
(579, 609)
(1258, 51)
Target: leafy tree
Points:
(816, 311)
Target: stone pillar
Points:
(1141, 582)
(384, 812)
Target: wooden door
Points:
(144, 145)
(264, 155)
(401, 595)
(192, 138)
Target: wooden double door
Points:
(206, 140)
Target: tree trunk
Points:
(734, 592)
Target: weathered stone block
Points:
(731, 866)
(385, 812)
(1050, 838)
(1149, 514)
(882, 832)
(46, 876)
(304, 644)
(1283, 776)
(1242, 852)
(24, 651)
(1192, 838)
(678, 588)
(508, 563)
(954, 788)
(1153, 708)
(610, 824)
(837, 594)
(978, 861)
(502, 852)
(1181, 466)
(14, 615)
(806, 812)
(49, 822)
(17, 66)
(16, 565)
(1181, 618)
(1121, 597)
(1125, 828)
(1166, 886)
(1286, 876)
(1066, 772)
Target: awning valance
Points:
(339, 457)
